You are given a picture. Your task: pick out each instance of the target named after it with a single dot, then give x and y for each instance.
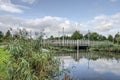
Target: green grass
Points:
(107, 47)
(61, 49)
(4, 55)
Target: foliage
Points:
(118, 40)
(107, 46)
(94, 36)
(60, 49)
(28, 62)
(76, 35)
(1, 36)
(4, 56)
(110, 38)
(8, 35)
(116, 36)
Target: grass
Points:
(60, 49)
(28, 62)
(107, 47)
(4, 55)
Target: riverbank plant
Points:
(28, 62)
(107, 47)
(4, 56)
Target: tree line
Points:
(6, 36)
(93, 36)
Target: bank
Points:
(106, 47)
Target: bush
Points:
(29, 63)
(105, 47)
(4, 55)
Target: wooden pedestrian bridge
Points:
(72, 43)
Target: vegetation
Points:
(27, 61)
(93, 36)
(76, 35)
(1, 36)
(8, 35)
(110, 38)
(107, 46)
(4, 56)
(60, 49)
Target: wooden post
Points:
(77, 49)
(63, 36)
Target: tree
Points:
(8, 35)
(1, 36)
(118, 40)
(110, 38)
(86, 36)
(94, 36)
(51, 37)
(76, 35)
(102, 38)
(116, 36)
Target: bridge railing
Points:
(70, 42)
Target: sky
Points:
(50, 16)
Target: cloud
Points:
(103, 63)
(7, 6)
(29, 1)
(50, 25)
(104, 23)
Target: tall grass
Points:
(108, 47)
(4, 55)
(28, 62)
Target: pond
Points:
(90, 66)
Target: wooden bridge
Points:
(70, 42)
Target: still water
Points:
(90, 66)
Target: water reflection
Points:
(91, 66)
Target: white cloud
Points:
(103, 63)
(10, 8)
(29, 1)
(104, 23)
(51, 25)
(7, 6)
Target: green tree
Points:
(1, 36)
(51, 37)
(102, 38)
(94, 36)
(116, 36)
(110, 38)
(86, 36)
(118, 40)
(8, 35)
(76, 35)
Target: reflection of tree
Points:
(90, 56)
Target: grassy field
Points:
(4, 55)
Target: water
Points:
(90, 66)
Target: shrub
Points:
(28, 62)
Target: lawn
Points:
(4, 55)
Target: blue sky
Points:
(102, 16)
